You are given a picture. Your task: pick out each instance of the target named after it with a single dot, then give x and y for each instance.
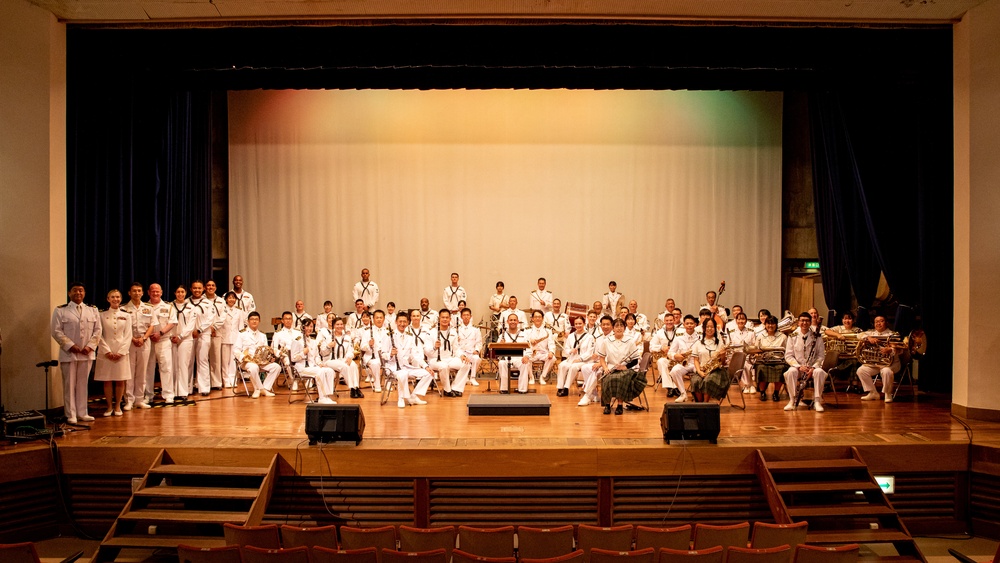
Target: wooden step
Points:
(177, 469)
(827, 486)
(162, 541)
(841, 510)
(814, 466)
(169, 491)
(857, 536)
(193, 516)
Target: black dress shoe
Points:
(775, 397)
(673, 393)
(353, 396)
(456, 393)
(522, 392)
(618, 409)
(359, 393)
(763, 396)
(504, 392)
(447, 394)
(607, 409)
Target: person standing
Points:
(452, 295)
(164, 321)
(113, 366)
(540, 298)
(207, 316)
(366, 290)
(243, 298)
(138, 357)
(76, 328)
(216, 361)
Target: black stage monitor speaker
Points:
(334, 423)
(693, 421)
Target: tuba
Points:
(787, 323)
(871, 354)
(766, 356)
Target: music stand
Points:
(506, 351)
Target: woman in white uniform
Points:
(113, 367)
(232, 319)
(183, 343)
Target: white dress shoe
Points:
(87, 418)
(267, 393)
(681, 399)
(326, 401)
(417, 401)
(256, 394)
(871, 396)
(818, 406)
(401, 403)
(790, 406)
(584, 401)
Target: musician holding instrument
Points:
(414, 362)
(253, 354)
(543, 347)
(470, 342)
(498, 301)
(442, 354)
(760, 325)
(659, 345)
(771, 367)
(303, 352)
(680, 350)
(557, 321)
(804, 353)
(641, 321)
(617, 356)
(321, 321)
(710, 378)
(592, 371)
(353, 323)
(367, 344)
(593, 328)
(668, 310)
(843, 338)
(541, 299)
(718, 311)
(338, 353)
(579, 350)
(881, 338)
(514, 334)
(742, 338)
(817, 321)
(366, 290)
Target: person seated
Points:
(511, 335)
(443, 353)
(659, 344)
(619, 354)
(470, 342)
(879, 336)
(594, 370)
(338, 354)
(304, 352)
(770, 371)
(741, 337)
(680, 353)
(543, 347)
(578, 351)
(248, 344)
(710, 379)
(846, 363)
(804, 353)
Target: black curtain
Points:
(139, 185)
(883, 205)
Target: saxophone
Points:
(715, 361)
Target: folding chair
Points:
(734, 368)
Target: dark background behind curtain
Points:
(139, 186)
(139, 133)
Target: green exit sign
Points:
(812, 265)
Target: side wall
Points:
(32, 198)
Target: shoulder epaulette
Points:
(63, 305)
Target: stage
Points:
(434, 463)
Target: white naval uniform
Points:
(451, 296)
(216, 360)
(208, 317)
(609, 304)
(187, 321)
(138, 357)
(682, 343)
(428, 319)
(559, 323)
(721, 313)
(579, 350)
(116, 338)
(245, 302)
(410, 355)
(522, 319)
(371, 355)
(543, 351)
(642, 324)
(229, 332)
(338, 353)
(660, 342)
(299, 318)
(368, 293)
(352, 323)
(162, 354)
(444, 358)
(80, 326)
(505, 364)
(321, 321)
(541, 300)
(470, 342)
(250, 341)
(804, 350)
(306, 361)
(592, 371)
(866, 373)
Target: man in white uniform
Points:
(76, 328)
(879, 336)
(366, 290)
(804, 352)
(453, 294)
(243, 298)
(442, 353)
(162, 354)
(138, 357)
(250, 339)
(541, 299)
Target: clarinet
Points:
(809, 358)
(439, 345)
(392, 340)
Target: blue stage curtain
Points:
(139, 186)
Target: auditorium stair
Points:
(188, 504)
(839, 498)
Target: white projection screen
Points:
(665, 192)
